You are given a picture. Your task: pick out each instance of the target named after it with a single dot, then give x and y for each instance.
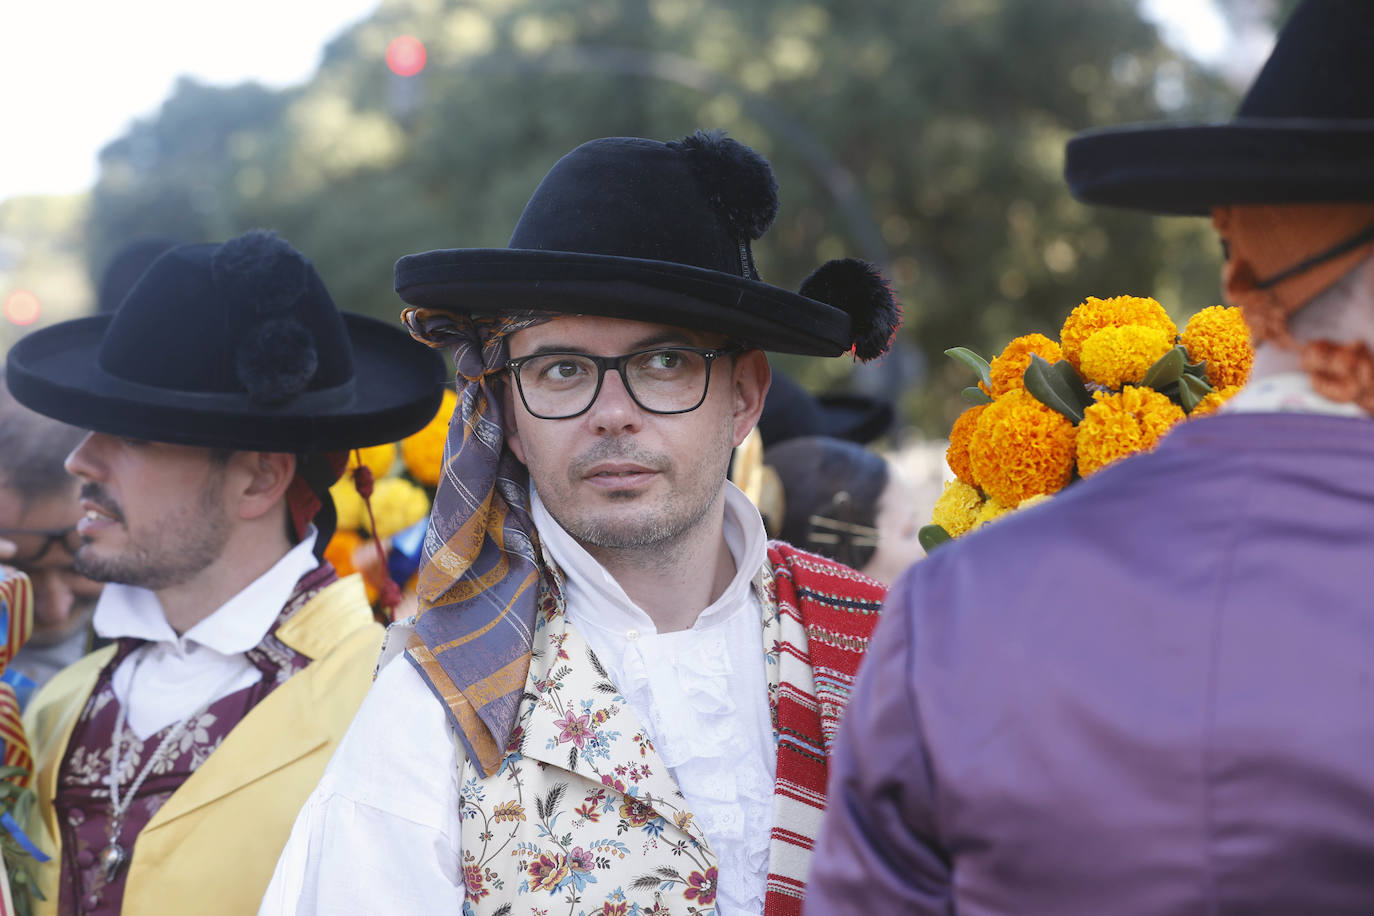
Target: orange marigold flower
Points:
(1133, 420)
(1020, 448)
(1094, 314)
(957, 508)
(957, 453)
(1220, 335)
(340, 551)
(1117, 356)
(377, 458)
(1009, 369)
(423, 452)
(1213, 400)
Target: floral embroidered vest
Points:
(584, 818)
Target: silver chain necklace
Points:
(113, 856)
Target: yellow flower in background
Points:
(956, 510)
(423, 452)
(1021, 448)
(956, 456)
(991, 511)
(1213, 400)
(396, 504)
(1116, 356)
(1009, 369)
(348, 504)
(377, 458)
(1094, 314)
(1033, 501)
(1220, 335)
(1133, 420)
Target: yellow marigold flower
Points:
(990, 511)
(1009, 369)
(1094, 314)
(1020, 448)
(397, 504)
(1133, 420)
(957, 453)
(1220, 335)
(1033, 501)
(957, 508)
(1117, 356)
(423, 452)
(348, 505)
(1214, 399)
(377, 458)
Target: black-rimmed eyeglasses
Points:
(665, 380)
(38, 542)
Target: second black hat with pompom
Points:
(237, 345)
(659, 232)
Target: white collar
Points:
(1286, 392)
(235, 626)
(586, 578)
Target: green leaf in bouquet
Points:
(1073, 382)
(973, 361)
(975, 395)
(1166, 370)
(1053, 389)
(1197, 369)
(932, 536)
(1191, 390)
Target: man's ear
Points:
(751, 378)
(260, 481)
(511, 423)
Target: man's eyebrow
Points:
(664, 339)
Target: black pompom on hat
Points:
(643, 230)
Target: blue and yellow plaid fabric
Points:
(478, 583)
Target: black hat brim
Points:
(397, 388)
(495, 280)
(1189, 169)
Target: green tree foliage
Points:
(926, 135)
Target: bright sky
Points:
(74, 73)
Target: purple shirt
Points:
(1152, 695)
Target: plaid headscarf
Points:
(479, 581)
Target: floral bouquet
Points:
(1048, 412)
(401, 478)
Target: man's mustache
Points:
(614, 450)
(93, 492)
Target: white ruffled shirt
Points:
(381, 832)
(179, 674)
(702, 693)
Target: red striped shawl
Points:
(827, 613)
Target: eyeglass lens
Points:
(663, 380)
(33, 545)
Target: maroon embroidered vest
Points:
(83, 796)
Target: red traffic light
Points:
(405, 55)
(22, 307)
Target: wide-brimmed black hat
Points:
(1304, 132)
(234, 346)
(659, 232)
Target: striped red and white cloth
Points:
(827, 613)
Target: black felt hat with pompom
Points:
(659, 232)
(237, 346)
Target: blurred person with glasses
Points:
(38, 514)
(587, 711)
